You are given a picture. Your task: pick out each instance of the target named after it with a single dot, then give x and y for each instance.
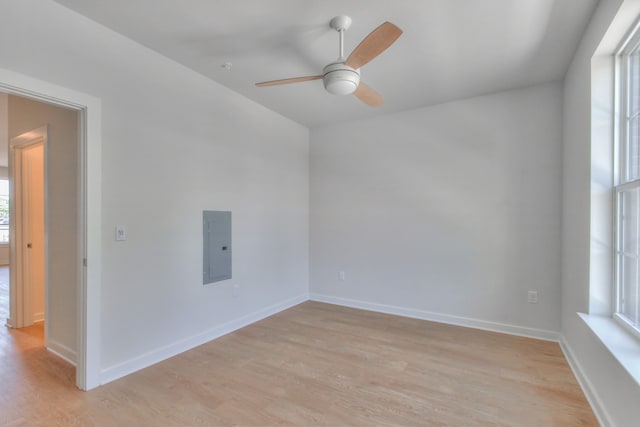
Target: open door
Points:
(27, 228)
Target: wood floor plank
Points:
(312, 365)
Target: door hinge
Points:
(84, 262)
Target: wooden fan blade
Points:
(373, 45)
(287, 81)
(369, 96)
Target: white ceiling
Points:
(450, 49)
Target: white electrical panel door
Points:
(216, 246)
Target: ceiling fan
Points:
(342, 77)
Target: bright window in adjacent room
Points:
(627, 259)
(4, 211)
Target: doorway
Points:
(45, 202)
(89, 209)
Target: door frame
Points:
(88, 372)
(21, 313)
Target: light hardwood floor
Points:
(312, 365)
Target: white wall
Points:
(61, 210)
(174, 144)
(452, 209)
(615, 394)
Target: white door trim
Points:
(21, 313)
(90, 209)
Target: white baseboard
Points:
(441, 318)
(38, 317)
(589, 391)
(122, 369)
(62, 351)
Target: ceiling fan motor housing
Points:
(340, 79)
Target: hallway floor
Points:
(28, 371)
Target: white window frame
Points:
(621, 182)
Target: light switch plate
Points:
(121, 232)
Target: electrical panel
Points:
(216, 237)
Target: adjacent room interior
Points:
(441, 248)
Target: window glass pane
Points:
(628, 275)
(628, 221)
(633, 111)
(633, 149)
(634, 83)
(629, 288)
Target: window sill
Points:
(623, 345)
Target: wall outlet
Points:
(236, 290)
(342, 276)
(532, 297)
(121, 232)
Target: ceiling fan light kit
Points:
(342, 77)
